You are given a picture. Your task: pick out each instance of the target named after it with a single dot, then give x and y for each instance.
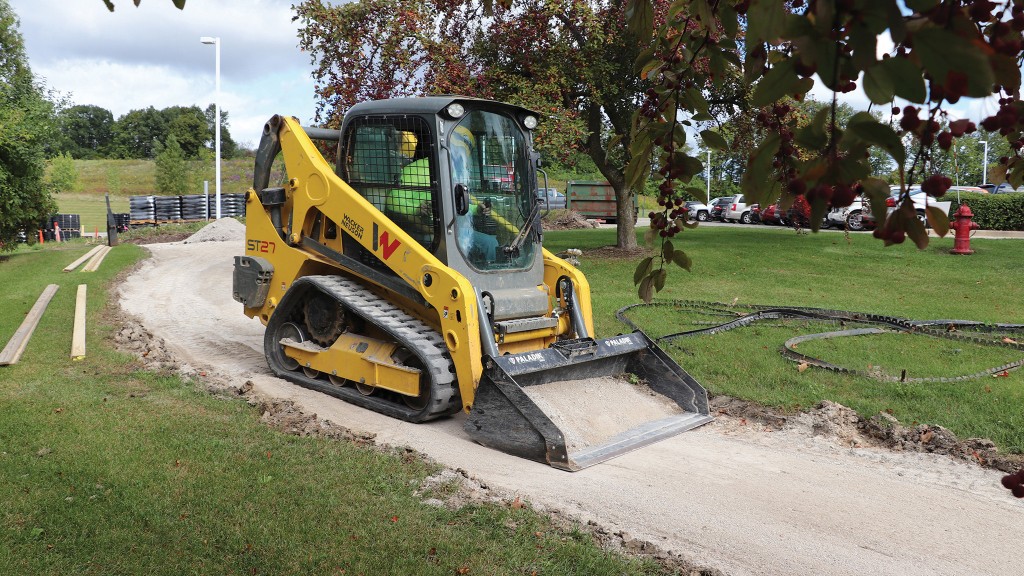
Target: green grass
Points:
(108, 469)
(761, 265)
(137, 178)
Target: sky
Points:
(150, 55)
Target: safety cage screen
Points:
(390, 161)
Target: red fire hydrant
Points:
(963, 225)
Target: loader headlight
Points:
(455, 110)
(530, 122)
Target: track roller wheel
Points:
(365, 389)
(337, 380)
(311, 372)
(293, 331)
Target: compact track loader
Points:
(410, 279)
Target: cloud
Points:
(151, 56)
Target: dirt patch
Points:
(567, 220)
(223, 230)
(590, 412)
(844, 425)
(616, 252)
(454, 489)
(157, 238)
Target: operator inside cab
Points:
(477, 229)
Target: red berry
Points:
(1010, 481)
(1018, 491)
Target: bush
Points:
(993, 211)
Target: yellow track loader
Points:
(410, 279)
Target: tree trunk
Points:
(626, 233)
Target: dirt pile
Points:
(843, 425)
(567, 220)
(223, 230)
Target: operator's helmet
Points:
(408, 144)
(463, 143)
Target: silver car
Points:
(551, 199)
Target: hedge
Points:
(992, 211)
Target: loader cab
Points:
(458, 174)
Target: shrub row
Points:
(992, 211)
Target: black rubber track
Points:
(424, 342)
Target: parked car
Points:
(737, 210)
(718, 206)
(1003, 188)
(772, 215)
(855, 217)
(974, 189)
(921, 201)
(697, 211)
(551, 198)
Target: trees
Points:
(63, 175)
(87, 131)
(942, 51)
(572, 61)
(28, 124)
(171, 169)
(137, 133)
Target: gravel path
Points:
(729, 496)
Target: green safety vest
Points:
(407, 201)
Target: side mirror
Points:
(461, 199)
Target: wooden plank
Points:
(12, 352)
(96, 260)
(78, 335)
(85, 257)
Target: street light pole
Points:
(709, 176)
(216, 105)
(984, 163)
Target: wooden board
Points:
(78, 335)
(96, 260)
(12, 352)
(85, 257)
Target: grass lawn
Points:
(107, 469)
(774, 266)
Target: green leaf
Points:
(942, 51)
(666, 250)
(759, 168)
(714, 140)
(938, 220)
(682, 260)
(882, 135)
(1006, 71)
(646, 290)
(906, 78)
(659, 278)
(915, 228)
(179, 4)
(643, 269)
(640, 19)
(730, 21)
(766, 20)
(877, 85)
(649, 236)
(778, 82)
(877, 191)
(703, 9)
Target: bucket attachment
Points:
(581, 402)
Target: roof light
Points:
(530, 122)
(455, 110)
